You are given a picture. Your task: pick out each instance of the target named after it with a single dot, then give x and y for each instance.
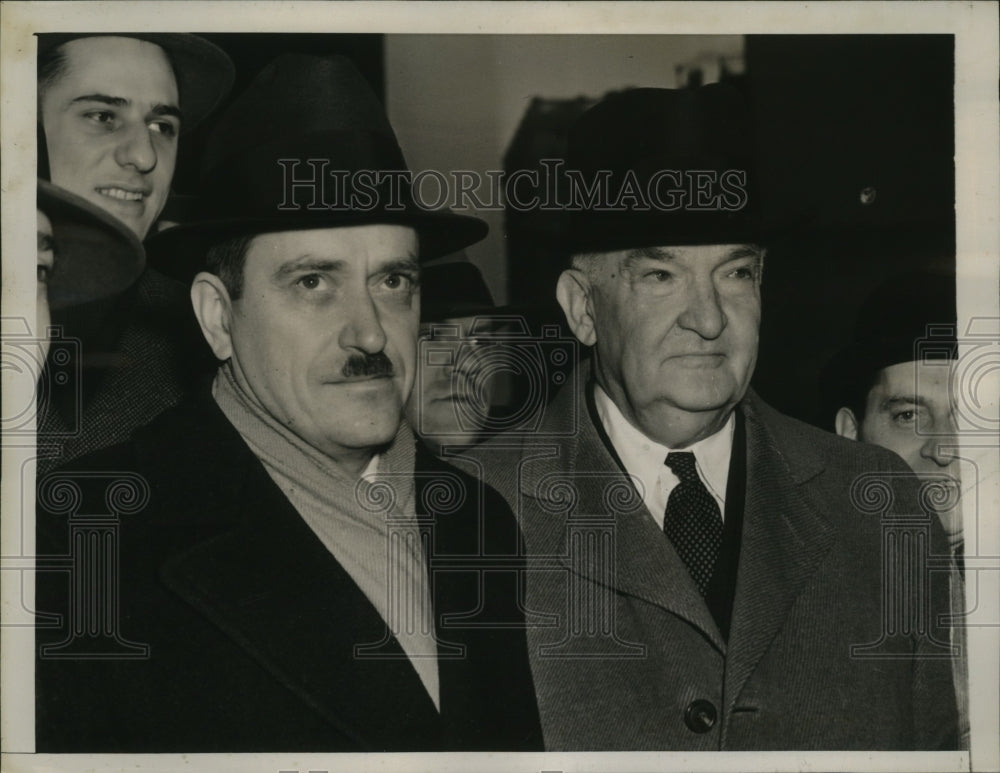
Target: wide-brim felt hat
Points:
(96, 255)
(204, 72)
(312, 119)
(660, 142)
(910, 317)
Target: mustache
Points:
(369, 365)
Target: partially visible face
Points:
(46, 262)
(324, 335)
(111, 123)
(452, 399)
(909, 410)
(676, 334)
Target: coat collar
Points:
(260, 574)
(785, 532)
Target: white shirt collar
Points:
(644, 458)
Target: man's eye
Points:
(904, 417)
(101, 117)
(166, 128)
(658, 276)
(399, 282)
(745, 272)
(310, 281)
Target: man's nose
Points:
(136, 149)
(942, 449)
(364, 330)
(703, 313)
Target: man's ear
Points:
(213, 309)
(573, 294)
(846, 424)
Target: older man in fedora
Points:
(111, 109)
(708, 573)
(304, 576)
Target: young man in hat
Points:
(111, 108)
(714, 568)
(892, 388)
(453, 395)
(302, 575)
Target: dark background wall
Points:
(837, 115)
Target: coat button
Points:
(700, 716)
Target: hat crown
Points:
(297, 96)
(707, 127)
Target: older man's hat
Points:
(308, 145)
(909, 317)
(204, 72)
(671, 167)
(96, 256)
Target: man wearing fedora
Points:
(304, 576)
(111, 108)
(84, 254)
(891, 387)
(452, 399)
(707, 574)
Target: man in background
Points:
(892, 387)
(111, 110)
(453, 396)
(84, 254)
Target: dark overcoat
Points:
(192, 609)
(836, 639)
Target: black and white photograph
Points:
(530, 386)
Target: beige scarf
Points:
(367, 524)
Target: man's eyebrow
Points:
(635, 256)
(409, 263)
(896, 401)
(309, 263)
(745, 251)
(168, 110)
(106, 99)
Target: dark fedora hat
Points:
(910, 317)
(453, 286)
(676, 166)
(307, 145)
(204, 72)
(96, 256)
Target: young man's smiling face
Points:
(111, 121)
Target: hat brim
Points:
(180, 251)
(97, 256)
(204, 72)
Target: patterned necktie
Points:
(693, 522)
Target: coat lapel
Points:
(576, 486)
(272, 587)
(785, 536)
